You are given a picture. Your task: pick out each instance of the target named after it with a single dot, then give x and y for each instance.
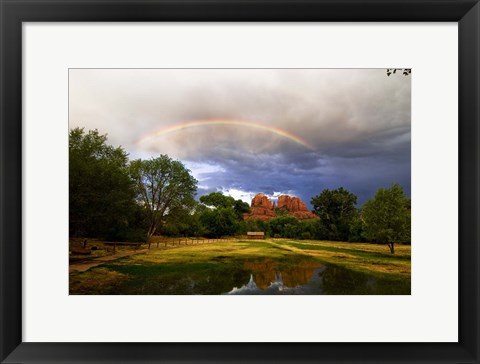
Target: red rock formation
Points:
(262, 213)
(260, 200)
(263, 209)
(304, 215)
(295, 206)
(291, 204)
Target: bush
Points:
(306, 235)
(133, 235)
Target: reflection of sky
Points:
(357, 123)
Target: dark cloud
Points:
(356, 122)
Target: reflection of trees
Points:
(337, 280)
(220, 282)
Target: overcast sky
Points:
(242, 132)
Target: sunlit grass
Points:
(373, 258)
(96, 281)
(172, 270)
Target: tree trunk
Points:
(150, 233)
(149, 239)
(392, 247)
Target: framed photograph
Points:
(239, 181)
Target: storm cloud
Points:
(295, 131)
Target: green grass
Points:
(216, 268)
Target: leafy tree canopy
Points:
(387, 217)
(240, 207)
(183, 221)
(225, 215)
(336, 210)
(101, 194)
(219, 200)
(162, 185)
(219, 222)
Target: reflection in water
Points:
(267, 272)
(337, 280)
(312, 279)
(302, 279)
(268, 277)
(251, 284)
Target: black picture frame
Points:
(14, 12)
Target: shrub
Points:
(306, 235)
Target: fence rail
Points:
(189, 241)
(86, 247)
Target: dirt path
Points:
(86, 265)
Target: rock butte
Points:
(263, 208)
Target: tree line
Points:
(116, 199)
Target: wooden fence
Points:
(189, 241)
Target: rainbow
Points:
(198, 123)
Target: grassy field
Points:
(216, 268)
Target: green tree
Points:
(224, 214)
(182, 221)
(308, 229)
(162, 185)
(217, 199)
(240, 207)
(219, 222)
(284, 226)
(336, 210)
(357, 230)
(387, 217)
(101, 194)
